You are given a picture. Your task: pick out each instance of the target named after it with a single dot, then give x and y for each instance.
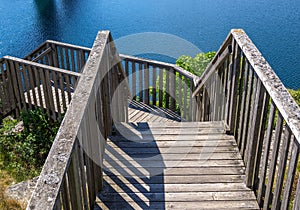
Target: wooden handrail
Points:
(160, 64)
(31, 63)
(240, 88)
(73, 165)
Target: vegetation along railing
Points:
(241, 88)
(72, 174)
(26, 85)
(162, 84)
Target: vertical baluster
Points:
(26, 83)
(133, 80)
(290, 175)
(32, 86)
(154, 77)
(234, 85)
(161, 75)
(56, 89)
(180, 92)
(185, 98)
(73, 60)
(281, 168)
(172, 89)
(39, 88)
(146, 83)
(167, 95)
(141, 97)
(272, 167)
(264, 164)
(65, 195)
(254, 133)
(247, 117)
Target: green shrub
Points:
(23, 153)
(195, 65)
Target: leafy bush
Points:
(296, 95)
(23, 153)
(195, 65)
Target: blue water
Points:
(273, 25)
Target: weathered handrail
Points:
(72, 174)
(162, 84)
(241, 88)
(27, 84)
(60, 55)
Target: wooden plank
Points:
(19, 85)
(254, 134)
(173, 188)
(247, 116)
(180, 92)
(205, 205)
(297, 197)
(185, 98)
(62, 88)
(37, 75)
(264, 164)
(134, 74)
(68, 86)
(235, 77)
(146, 83)
(196, 179)
(272, 169)
(65, 195)
(284, 151)
(290, 175)
(50, 94)
(45, 95)
(27, 85)
(72, 59)
(177, 197)
(167, 92)
(173, 85)
(67, 54)
(161, 90)
(32, 85)
(243, 105)
(154, 78)
(140, 82)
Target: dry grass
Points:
(6, 203)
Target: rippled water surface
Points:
(274, 26)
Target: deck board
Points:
(162, 162)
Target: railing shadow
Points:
(134, 170)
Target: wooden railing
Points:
(26, 85)
(162, 84)
(241, 88)
(60, 55)
(72, 174)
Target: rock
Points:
(22, 191)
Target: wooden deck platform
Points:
(161, 163)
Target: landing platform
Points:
(160, 163)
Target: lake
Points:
(274, 26)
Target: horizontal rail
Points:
(72, 174)
(27, 85)
(240, 88)
(61, 55)
(159, 64)
(161, 84)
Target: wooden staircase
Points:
(173, 165)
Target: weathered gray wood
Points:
(185, 98)
(290, 175)
(173, 89)
(65, 195)
(167, 88)
(290, 111)
(146, 83)
(161, 90)
(254, 134)
(243, 105)
(140, 82)
(48, 188)
(297, 197)
(271, 177)
(133, 80)
(281, 168)
(154, 78)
